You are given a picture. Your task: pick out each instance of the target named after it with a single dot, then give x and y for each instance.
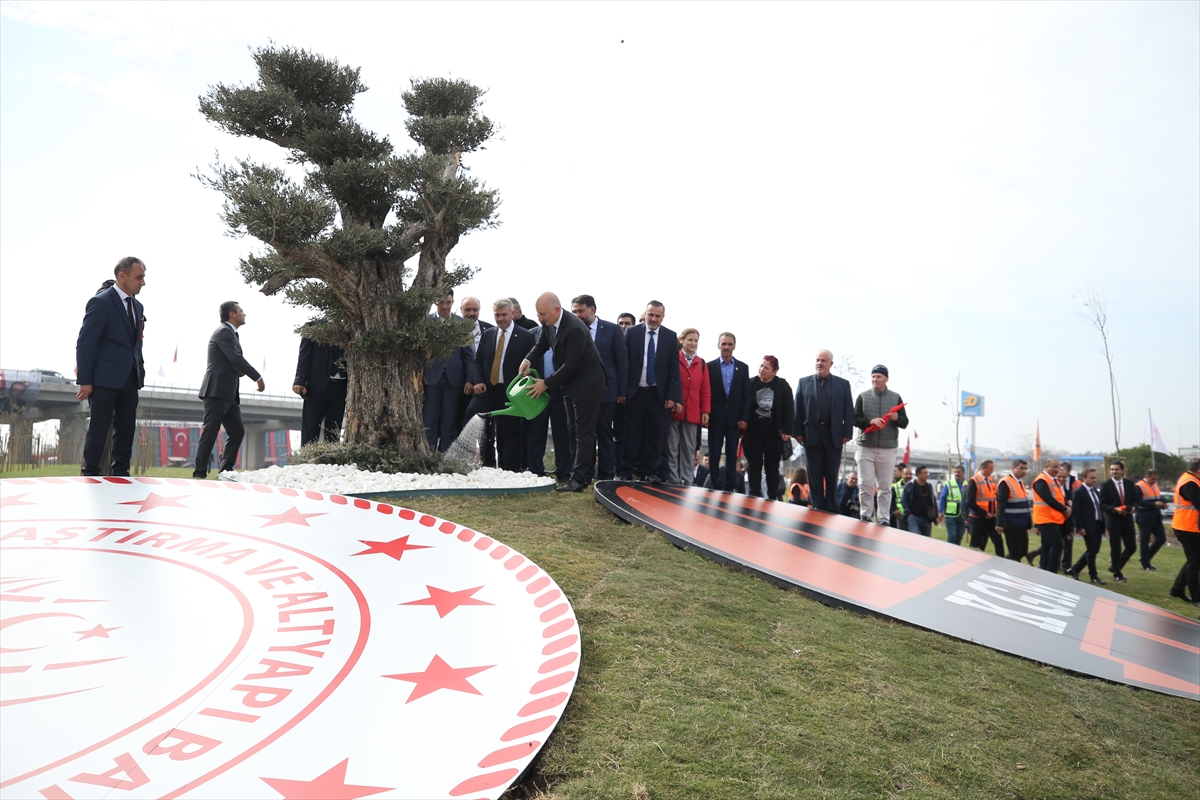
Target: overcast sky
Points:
(926, 186)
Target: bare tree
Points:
(1095, 313)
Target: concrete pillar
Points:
(72, 429)
(254, 451)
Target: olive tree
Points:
(352, 229)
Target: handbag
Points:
(786, 450)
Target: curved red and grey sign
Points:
(957, 591)
(170, 638)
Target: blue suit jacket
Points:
(666, 367)
(808, 410)
(108, 348)
(454, 366)
(610, 341)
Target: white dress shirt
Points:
(646, 365)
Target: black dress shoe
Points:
(1149, 568)
(1181, 594)
(655, 480)
(1073, 573)
(1098, 582)
(570, 486)
(1119, 578)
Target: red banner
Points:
(181, 442)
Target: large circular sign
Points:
(170, 638)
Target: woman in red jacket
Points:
(683, 439)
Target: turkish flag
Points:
(181, 443)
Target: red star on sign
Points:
(440, 675)
(99, 631)
(445, 601)
(15, 500)
(290, 517)
(395, 548)
(329, 785)
(156, 501)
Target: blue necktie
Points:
(650, 361)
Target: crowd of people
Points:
(628, 400)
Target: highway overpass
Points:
(163, 404)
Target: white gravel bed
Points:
(335, 479)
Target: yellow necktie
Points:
(498, 356)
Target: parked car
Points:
(50, 376)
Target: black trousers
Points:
(508, 429)
(982, 530)
(606, 443)
(219, 414)
(727, 438)
(1091, 544)
(1052, 546)
(1068, 553)
(116, 408)
(824, 458)
(1122, 541)
(554, 418)
(1151, 537)
(439, 413)
(645, 445)
(1189, 577)
(581, 428)
(762, 454)
(327, 407)
(1018, 541)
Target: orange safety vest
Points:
(1043, 513)
(804, 493)
(985, 493)
(1018, 499)
(1149, 491)
(1187, 517)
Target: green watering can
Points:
(520, 404)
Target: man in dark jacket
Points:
(653, 386)
(1118, 497)
(219, 391)
(321, 381)
(1087, 518)
(610, 343)
(847, 496)
(729, 385)
(108, 360)
(578, 374)
(824, 424)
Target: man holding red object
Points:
(877, 415)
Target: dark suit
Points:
(727, 412)
(518, 342)
(1120, 527)
(701, 476)
(579, 375)
(325, 395)
(646, 418)
(823, 420)
(445, 380)
(222, 401)
(1084, 513)
(464, 400)
(610, 343)
(552, 421)
(108, 357)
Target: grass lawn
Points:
(56, 470)
(701, 681)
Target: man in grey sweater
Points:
(877, 447)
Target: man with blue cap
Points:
(880, 414)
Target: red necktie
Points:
(1121, 492)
